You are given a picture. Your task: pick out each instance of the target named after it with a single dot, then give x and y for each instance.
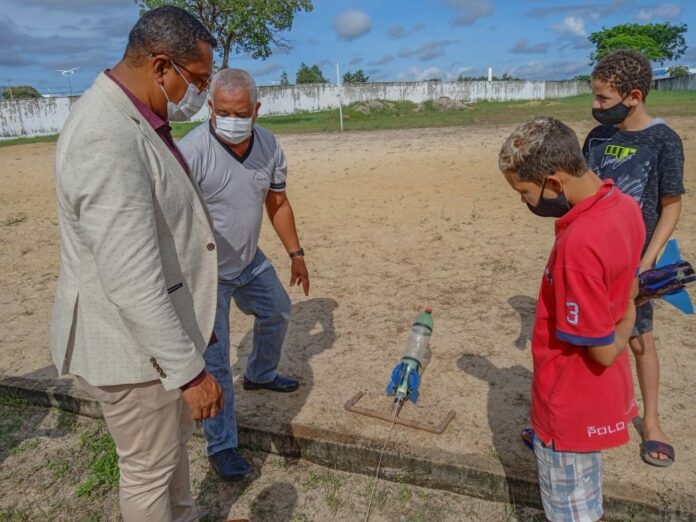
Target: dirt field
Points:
(391, 221)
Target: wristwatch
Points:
(297, 253)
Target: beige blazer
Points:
(136, 295)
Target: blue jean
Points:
(256, 291)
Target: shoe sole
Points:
(234, 478)
(252, 387)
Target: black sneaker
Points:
(280, 384)
(230, 465)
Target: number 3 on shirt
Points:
(572, 312)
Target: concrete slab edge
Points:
(320, 448)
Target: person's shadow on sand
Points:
(23, 421)
(275, 503)
(311, 332)
(526, 307)
(508, 406)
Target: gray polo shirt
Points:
(235, 189)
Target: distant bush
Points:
(678, 70)
(20, 91)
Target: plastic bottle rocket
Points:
(406, 376)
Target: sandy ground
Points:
(391, 221)
(46, 459)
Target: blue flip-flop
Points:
(655, 446)
(527, 436)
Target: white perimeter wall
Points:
(41, 116)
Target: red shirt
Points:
(577, 404)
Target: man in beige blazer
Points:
(135, 303)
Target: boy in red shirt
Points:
(582, 391)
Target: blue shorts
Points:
(570, 484)
(644, 319)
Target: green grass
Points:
(405, 494)
(25, 445)
(103, 466)
(331, 486)
(8, 427)
(60, 466)
(11, 514)
(24, 141)
(11, 399)
(401, 115)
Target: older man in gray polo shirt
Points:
(240, 168)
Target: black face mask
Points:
(555, 207)
(613, 115)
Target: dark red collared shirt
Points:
(160, 126)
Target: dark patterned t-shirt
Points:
(647, 164)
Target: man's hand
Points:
(299, 273)
(204, 399)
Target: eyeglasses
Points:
(201, 83)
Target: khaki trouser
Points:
(150, 427)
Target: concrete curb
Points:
(464, 474)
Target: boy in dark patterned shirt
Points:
(645, 159)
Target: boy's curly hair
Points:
(625, 70)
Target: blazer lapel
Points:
(171, 164)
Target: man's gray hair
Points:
(541, 147)
(233, 80)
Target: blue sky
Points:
(391, 40)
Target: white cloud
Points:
(397, 31)
(267, 69)
(352, 24)
(383, 60)
(428, 51)
(542, 70)
(595, 11)
(661, 11)
(71, 5)
(473, 10)
(571, 26)
(429, 73)
(524, 47)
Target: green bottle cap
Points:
(425, 319)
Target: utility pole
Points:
(340, 105)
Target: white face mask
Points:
(232, 129)
(190, 104)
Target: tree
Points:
(309, 75)
(356, 77)
(659, 42)
(20, 91)
(284, 79)
(582, 78)
(678, 70)
(242, 26)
